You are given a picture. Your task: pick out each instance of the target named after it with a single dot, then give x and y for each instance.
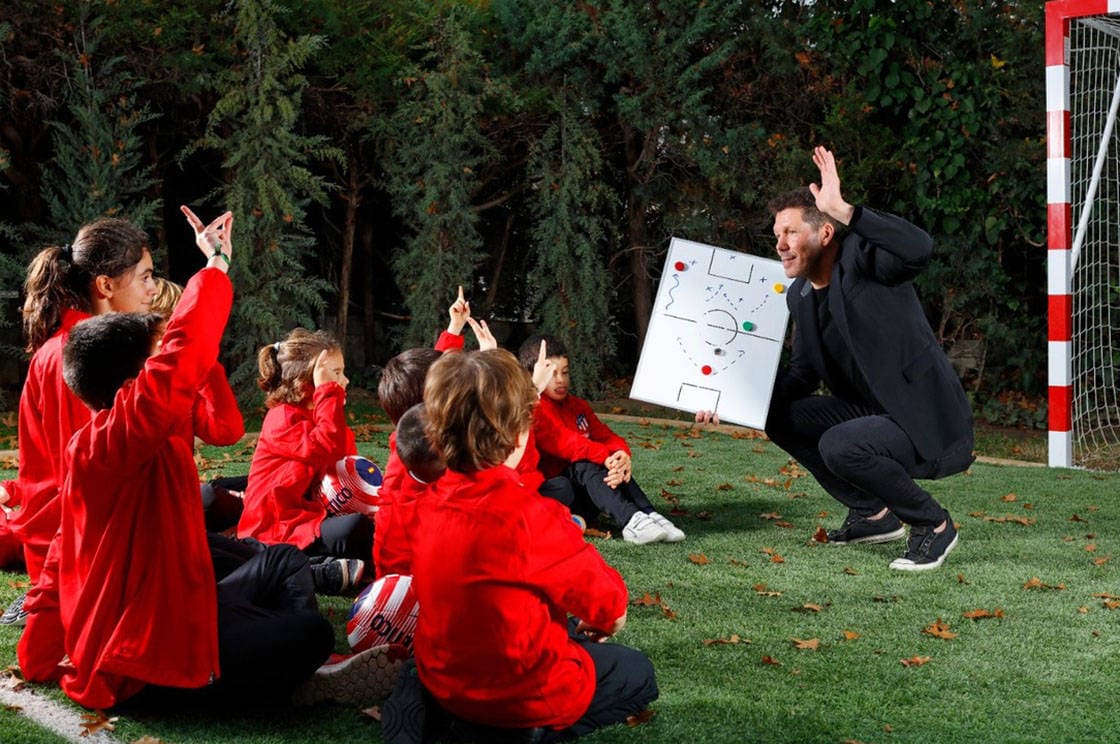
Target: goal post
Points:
(1083, 231)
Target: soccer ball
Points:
(385, 612)
(352, 486)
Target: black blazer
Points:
(876, 310)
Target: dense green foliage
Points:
(378, 154)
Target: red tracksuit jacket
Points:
(394, 521)
(49, 414)
(128, 590)
(497, 570)
(568, 431)
(296, 447)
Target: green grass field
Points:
(727, 609)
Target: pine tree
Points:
(254, 126)
(436, 149)
(569, 279)
(98, 168)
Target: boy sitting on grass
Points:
(498, 570)
(573, 442)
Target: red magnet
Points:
(706, 370)
(680, 266)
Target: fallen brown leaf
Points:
(96, 721)
(850, 635)
(806, 644)
(639, 718)
(699, 559)
(1076, 518)
(1009, 497)
(851, 571)
(1036, 583)
(732, 640)
(770, 515)
(592, 532)
(821, 535)
(980, 613)
(914, 661)
(940, 629)
(771, 661)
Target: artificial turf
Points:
(722, 613)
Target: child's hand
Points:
(599, 636)
(618, 468)
(707, 417)
(214, 240)
(482, 332)
(543, 369)
(460, 312)
(324, 371)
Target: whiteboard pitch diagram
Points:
(716, 335)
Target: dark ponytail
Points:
(60, 277)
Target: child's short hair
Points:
(104, 351)
(478, 404)
(530, 350)
(166, 297)
(413, 446)
(402, 380)
(286, 367)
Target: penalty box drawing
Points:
(715, 338)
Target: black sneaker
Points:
(403, 714)
(338, 575)
(860, 529)
(15, 614)
(927, 549)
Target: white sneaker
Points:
(642, 529)
(672, 532)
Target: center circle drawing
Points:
(719, 328)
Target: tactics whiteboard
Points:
(716, 335)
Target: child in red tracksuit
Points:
(304, 434)
(127, 600)
(498, 570)
(575, 443)
(107, 268)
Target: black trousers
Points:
(860, 456)
(624, 686)
(620, 503)
(271, 636)
(344, 536)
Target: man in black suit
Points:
(895, 409)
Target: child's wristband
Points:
(218, 254)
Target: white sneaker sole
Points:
(905, 564)
(361, 679)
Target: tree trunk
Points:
(496, 276)
(639, 271)
(353, 198)
(369, 307)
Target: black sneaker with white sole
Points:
(338, 575)
(15, 615)
(927, 549)
(860, 529)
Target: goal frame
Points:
(1061, 253)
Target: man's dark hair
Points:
(402, 380)
(530, 351)
(803, 199)
(415, 450)
(104, 351)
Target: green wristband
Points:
(219, 254)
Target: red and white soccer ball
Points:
(352, 486)
(385, 612)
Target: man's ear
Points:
(828, 231)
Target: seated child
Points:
(491, 550)
(127, 599)
(303, 434)
(424, 464)
(574, 442)
(216, 420)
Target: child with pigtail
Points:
(303, 435)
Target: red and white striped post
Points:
(1059, 217)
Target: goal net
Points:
(1084, 256)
